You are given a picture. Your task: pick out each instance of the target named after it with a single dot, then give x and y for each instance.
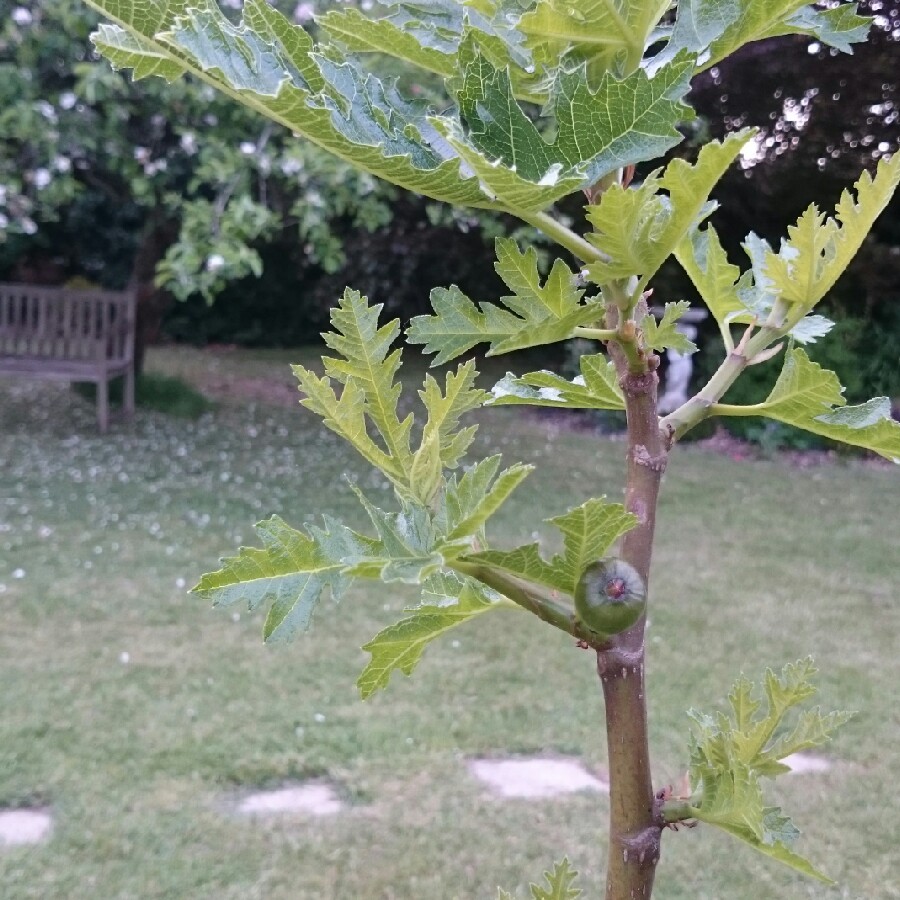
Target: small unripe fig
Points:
(610, 596)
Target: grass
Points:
(758, 564)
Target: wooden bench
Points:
(69, 335)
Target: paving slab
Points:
(536, 776)
(24, 826)
(312, 799)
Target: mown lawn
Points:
(137, 713)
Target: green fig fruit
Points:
(610, 596)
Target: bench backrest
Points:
(66, 324)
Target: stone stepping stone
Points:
(535, 777)
(312, 799)
(807, 763)
(19, 827)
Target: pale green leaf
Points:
(664, 334)
(606, 33)
(810, 397)
(459, 324)
(408, 546)
(706, 263)
(367, 371)
(559, 884)
(445, 410)
(637, 229)
(467, 503)
(588, 532)
(532, 315)
(839, 27)
(290, 572)
(819, 249)
(450, 601)
(729, 756)
(596, 388)
(742, 703)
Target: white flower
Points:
(40, 178)
(46, 110)
(28, 225)
(21, 16)
(189, 142)
(62, 164)
(67, 100)
(248, 148)
(3, 221)
(215, 262)
(303, 12)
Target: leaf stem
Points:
(563, 236)
(706, 401)
(595, 334)
(534, 598)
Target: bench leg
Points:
(128, 398)
(103, 405)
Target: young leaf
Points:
(445, 410)
(467, 504)
(637, 229)
(604, 32)
(290, 572)
(367, 372)
(408, 546)
(368, 401)
(729, 756)
(810, 397)
(820, 248)
(665, 334)
(588, 532)
(560, 885)
(706, 264)
(450, 600)
(534, 314)
(596, 388)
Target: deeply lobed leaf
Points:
(820, 248)
(810, 397)
(596, 388)
(730, 755)
(449, 600)
(535, 313)
(714, 29)
(637, 229)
